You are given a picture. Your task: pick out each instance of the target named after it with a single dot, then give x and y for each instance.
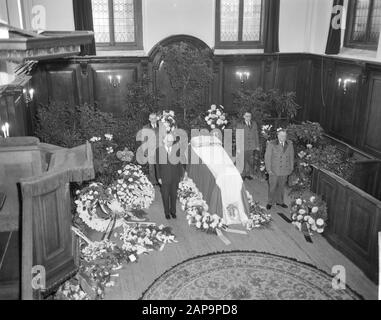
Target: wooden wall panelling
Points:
(64, 83)
(371, 141)
(353, 220)
(345, 100)
(318, 91)
(109, 98)
(232, 82)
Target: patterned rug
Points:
(245, 276)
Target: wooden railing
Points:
(354, 219)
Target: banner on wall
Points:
(334, 35)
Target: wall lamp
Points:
(345, 83)
(243, 76)
(5, 129)
(28, 95)
(114, 81)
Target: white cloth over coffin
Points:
(228, 178)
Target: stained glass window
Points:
(252, 20)
(364, 23)
(375, 24)
(124, 22)
(101, 21)
(114, 21)
(239, 21)
(229, 20)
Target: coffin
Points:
(218, 179)
(35, 221)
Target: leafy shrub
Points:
(306, 133)
(264, 105)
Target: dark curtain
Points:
(334, 36)
(271, 29)
(83, 20)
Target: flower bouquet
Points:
(138, 239)
(309, 214)
(258, 215)
(168, 119)
(216, 118)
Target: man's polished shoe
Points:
(285, 206)
(173, 215)
(268, 207)
(167, 216)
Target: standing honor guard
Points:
(279, 161)
(251, 144)
(154, 126)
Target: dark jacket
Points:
(279, 160)
(251, 135)
(166, 168)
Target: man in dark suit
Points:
(154, 126)
(251, 144)
(279, 161)
(169, 172)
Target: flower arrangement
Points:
(125, 155)
(266, 132)
(309, 214)
(167, 118)
(196, 208)
(132, 189)
(100, 260)
(90, 203)
(216, 118)
(138, 239)
(258, 215)
(328, 157)
(71, 290)
(106, 159)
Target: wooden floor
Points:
(280, 238)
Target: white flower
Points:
(95, 139)
(213, 107)
(320, 230)
(311, 221)
(312, 199)
(302, 211)
(298, 202)
(299, 217)
(213, 126)
(205, 226)
(198, 225)
(314, 209)
(309, 146)
(108, 136)
(320, 222)
(313, 227)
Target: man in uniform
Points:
(279, 161)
